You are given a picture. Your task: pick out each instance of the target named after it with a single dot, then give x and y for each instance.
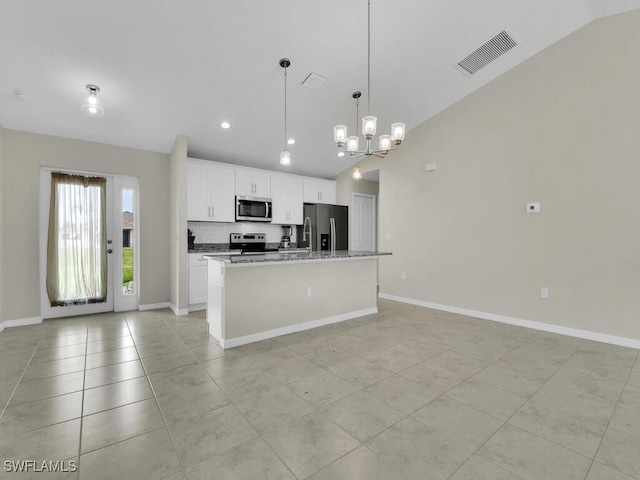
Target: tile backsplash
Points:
(209, 232)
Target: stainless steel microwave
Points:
(253, 209)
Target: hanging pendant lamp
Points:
(285, 156)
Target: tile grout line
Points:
(84, 379)
(13, 392)
(611, 418)
(183, 468)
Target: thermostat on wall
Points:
(533, 207)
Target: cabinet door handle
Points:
(209, 215)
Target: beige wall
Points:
(178, 224)
(23, 155)
(561, 128)
(1, 224)
(345, 188)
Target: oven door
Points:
(253, 209)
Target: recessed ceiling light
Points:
(291, 141)
(341, 154)
(225, 125)
(20, 95)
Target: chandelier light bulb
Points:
(369, 127)
(385, 143)
(357, 173)
(397, 133)
(340, 135)
(341, 153)
(352, 144)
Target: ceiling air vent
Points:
(486, 53)
(314, 81)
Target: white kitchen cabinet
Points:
(253, 183)
(287, 195)
(197, 287)
(319, 191)
(210, 192)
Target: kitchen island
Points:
(255, 297)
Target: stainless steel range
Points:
(250, 243)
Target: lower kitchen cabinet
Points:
(197, 280)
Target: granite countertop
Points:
(294, 257)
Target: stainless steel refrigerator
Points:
(323, 219)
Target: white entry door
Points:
(363, 222)
(88, 243)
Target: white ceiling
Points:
(169, 67)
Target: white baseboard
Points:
(20, 322)
(256, 337)
(178, 311)
(545, 327)
(154, 306)
(157, 306)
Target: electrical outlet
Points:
(403, 275)
(544, 292)
(308, 291)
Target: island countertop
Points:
(275, 257)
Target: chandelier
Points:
(386, 143)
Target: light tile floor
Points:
(409, 393)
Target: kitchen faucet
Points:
(304, 232)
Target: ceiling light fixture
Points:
(225, 125)
(285, 156)
(291, 141)
(21, 95)
(93, 106)
(387, 143)
(357, 173)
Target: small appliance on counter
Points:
(191, 238)
(285, 241)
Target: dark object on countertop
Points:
(191, 238)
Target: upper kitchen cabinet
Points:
(253, 183)
(210, 192)
(287, 196)
(319, 191)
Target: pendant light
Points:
(93, 106)
(285, 156)
(386, 143)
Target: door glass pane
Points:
(76, 254)
(127, 241)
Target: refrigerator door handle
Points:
(332, 222)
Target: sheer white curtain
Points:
(76, 250)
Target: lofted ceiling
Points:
(169, 67)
